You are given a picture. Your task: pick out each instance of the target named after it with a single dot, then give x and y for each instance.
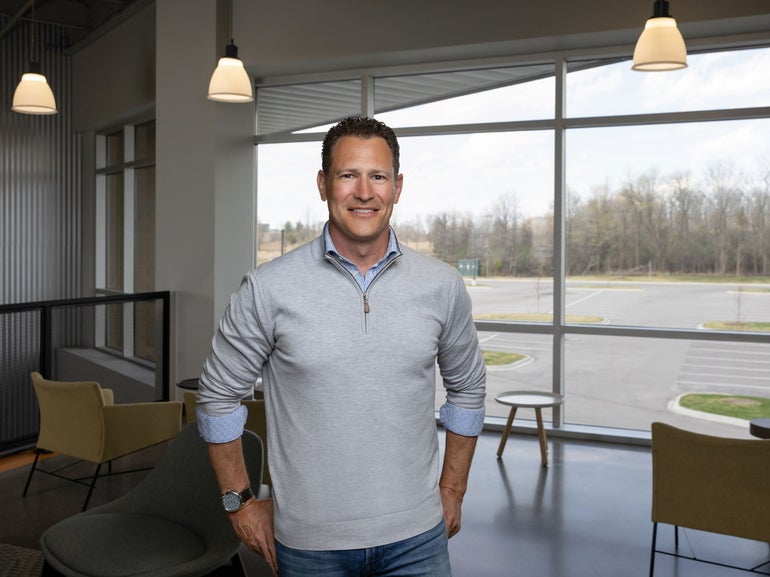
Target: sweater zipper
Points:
(364, 294)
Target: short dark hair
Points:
(363, 127)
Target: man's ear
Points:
(320, 181)
(399, 187)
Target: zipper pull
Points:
(366, 303)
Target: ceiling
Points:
(78, 19)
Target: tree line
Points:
(673, 225)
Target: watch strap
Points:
(245, 495)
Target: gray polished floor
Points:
(586, 515)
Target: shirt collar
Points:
(391, 251)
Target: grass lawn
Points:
(737, 326)
(492, 358)
(737, 406)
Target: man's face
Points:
(360, 191)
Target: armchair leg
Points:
(49, 571)
(91, 488)
(652, 549)
(31, 471)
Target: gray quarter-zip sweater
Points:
(350, 386)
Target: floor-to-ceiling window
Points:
(126, 238)
(612, 226)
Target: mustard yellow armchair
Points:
(709, 483)
(81, 420)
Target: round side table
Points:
(537, 400)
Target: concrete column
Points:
(204, 181)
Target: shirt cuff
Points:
(465, 422)
(222, 428)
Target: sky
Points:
(473, 173)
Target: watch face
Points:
(231, 501)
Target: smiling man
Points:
(346, 332)
(360, 185)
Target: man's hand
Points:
(253, 523)
(454, 477)
(452, 502)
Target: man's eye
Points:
(346, 176)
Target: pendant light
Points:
(230, 82)
(33, 95)
(660, 46)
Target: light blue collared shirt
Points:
(363, 280)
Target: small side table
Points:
(760, 428)
(537, 400)
(188, 384)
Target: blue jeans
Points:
(424, 555)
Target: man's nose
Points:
(364, 190)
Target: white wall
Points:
(205, 190)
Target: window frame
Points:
(126, 169)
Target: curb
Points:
(675, 407)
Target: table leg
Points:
(506, 432)
(541, 436)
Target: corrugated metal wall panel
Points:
(40, 222)
(40, 186)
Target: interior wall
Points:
(205, 182)
(40, 177)
(40, 226)
(114, 77)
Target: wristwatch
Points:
(233, 500)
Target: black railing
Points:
(81, 339)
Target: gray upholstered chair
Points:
(709, 483)
(256, 421)
(80, 420)
(171, 524)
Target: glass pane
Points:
(114, 337)
(115, 212)
(115, 149)
(630, 382)
(144, 235)
(144, 330)
(661, 220)
(719, 80)
(493, 95)
(515, 362)
(302, 106)
(144, 263)
(289, 209)
(144, 141)
(480, 196)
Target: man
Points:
(346, 332)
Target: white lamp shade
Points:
(33, 95)
(660, 46)
(230, 82)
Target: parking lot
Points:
(628, 382)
